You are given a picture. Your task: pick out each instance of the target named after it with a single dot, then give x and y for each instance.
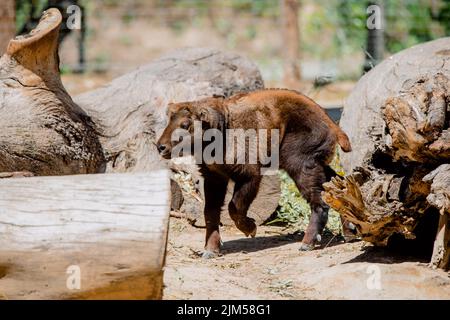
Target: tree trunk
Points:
(7, 23)
(84, 236)
(398, 117)
(291, 42)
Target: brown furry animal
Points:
(307, 136)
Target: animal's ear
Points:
(168, 108)
(213, 117)
(173, 107)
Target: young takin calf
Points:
(307, 140)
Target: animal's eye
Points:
(185, 125)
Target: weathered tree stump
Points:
(84, 236)
(397, 118)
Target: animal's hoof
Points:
(319, 238)
(251, 233)
(247, 226)
(209, 254)
(306, 247)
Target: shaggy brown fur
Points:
(307, 143)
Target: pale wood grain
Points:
(113, 226)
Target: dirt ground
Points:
(271, 267)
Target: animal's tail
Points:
(343, 140)
(342, 137)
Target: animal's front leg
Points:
(215, 189)
(245, 192)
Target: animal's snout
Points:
(161, 147)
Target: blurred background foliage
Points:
(330, 30)
(408, 22)
(25, 10)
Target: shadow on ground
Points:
(267, 242)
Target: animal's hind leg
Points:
(244, 193)
(309, 179)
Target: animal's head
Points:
(182, 117)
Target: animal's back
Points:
(279, 108)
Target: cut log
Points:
(440, 198)
(84, 236)
(397, 119)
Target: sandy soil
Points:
(271, 267)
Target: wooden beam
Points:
(84, 236)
